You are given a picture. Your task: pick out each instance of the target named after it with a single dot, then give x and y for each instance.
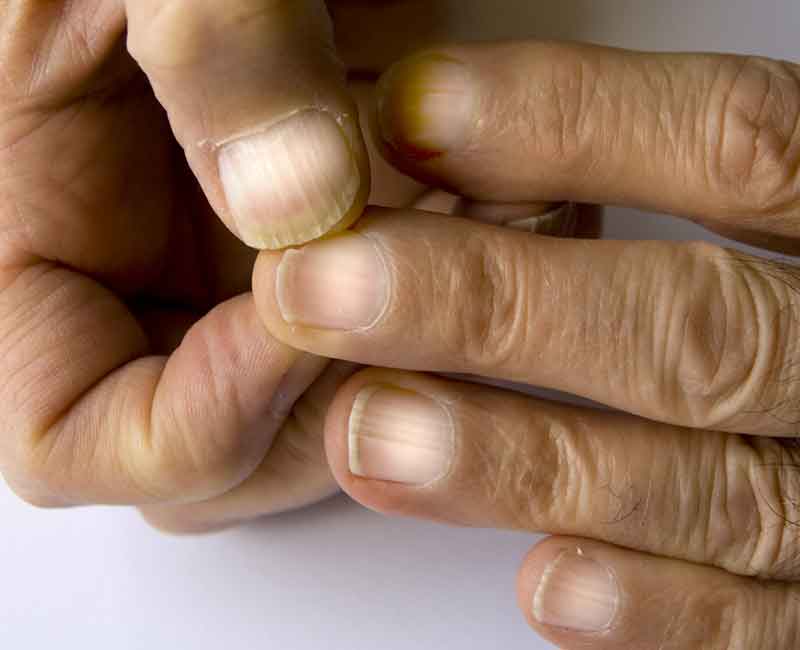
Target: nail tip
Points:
(406, 438)
(283, 285)
(292, 182)
(426, 106)
(584, 599)
(353, 424)
(338, 284)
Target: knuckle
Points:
(197, 444)
(768, 486)
(720, 347)
(486, 301)
(755, 134)
(532, 472)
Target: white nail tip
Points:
(354, 425)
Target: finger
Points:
(390, 187)
(90, 417)
(419, 446)
(68, 42)
(294, 474)
(689, 334)
(554, 219)
(710, 137)
(258, 100)
(582, 594)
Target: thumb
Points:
(258, 100)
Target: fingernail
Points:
(291, 183)
(400, 436)
(336, 284)
(576, 593)
(426, 105)
(560, 222)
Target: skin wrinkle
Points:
(787, 276)
(768, 480)
(510, 465)
(651, 123)
(694, 492)
(720, 504)
(532, 490)
(784, 277)
(728, 114)
(700, 379)
(786, 104)
(626, 312)
(758, 175)
(625, 500)
(570, 473)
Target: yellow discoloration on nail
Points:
(426, 105)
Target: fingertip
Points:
(358, 460)
(301, 178)
(426, 105)
(324, 297)
(258, 99)
(337, 429)
(567, 589)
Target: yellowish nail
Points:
(427, 105)
(291, 183)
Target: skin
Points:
(691, 343)
(141, 372)
(138, 369)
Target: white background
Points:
(334, 576)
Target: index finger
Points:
(712, 137)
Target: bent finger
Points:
(295, 472)
(92, 417)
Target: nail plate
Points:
(337, 284)
(576, 593)
(426, 105)
(399, 436)
(291, 183)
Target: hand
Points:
(133, 366)
(676, 523)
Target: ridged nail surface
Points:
(576, 593)
(400, 436)
(291, 183)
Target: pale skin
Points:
(118, 389)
